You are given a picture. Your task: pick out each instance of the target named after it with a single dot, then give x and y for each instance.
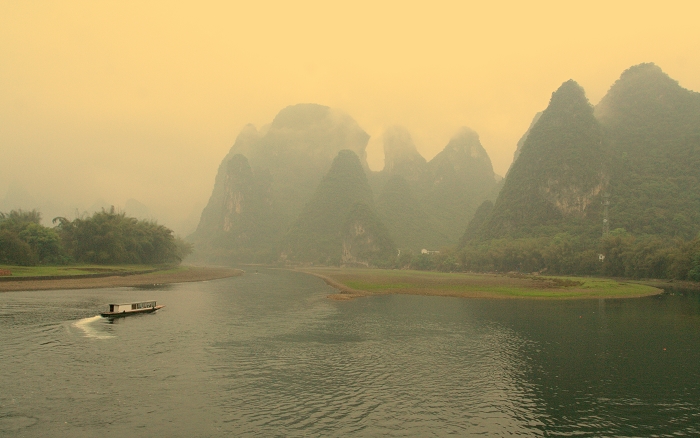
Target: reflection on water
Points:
(269, 355)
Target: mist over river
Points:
(268, 354)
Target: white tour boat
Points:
(126, 309)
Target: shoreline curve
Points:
(183, 274)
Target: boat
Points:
(126, 309)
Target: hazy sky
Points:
(119, 100)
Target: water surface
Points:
(268, 355)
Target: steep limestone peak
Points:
(466, 141)
(646, 94)
(570, 96)
(316, 234)
(465, 155)
(314, 132)
(400, 153)
(301, 116)
(245, 142)
(559, 173)
(521, 142)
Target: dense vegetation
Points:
(624, 255)
(652, 127)
(405, 217)
(558, 177)
(24, 241)
(640, 147)
(106, 237)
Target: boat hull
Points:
(129, 313)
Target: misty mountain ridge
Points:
(288, 160)
(640, 146)
(637, 149)
(428, 204)
(279, 168)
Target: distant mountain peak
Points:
(646, 69)
(464, 155)
(559, 173)
(400, 154)
(644, 91)
(467, 141)
(300, 116)
(568, 96)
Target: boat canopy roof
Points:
(128, 304)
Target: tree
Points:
(108, 237)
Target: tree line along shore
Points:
(107, 249)
(106, 237)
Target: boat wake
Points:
(88, 329)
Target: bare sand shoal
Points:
(181, 275)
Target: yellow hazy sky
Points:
(119, 99)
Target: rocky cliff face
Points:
(238, 219)
(559, 174)
(365, 238)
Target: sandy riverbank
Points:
(353, 283)
(181, 274)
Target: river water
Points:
(268, 355)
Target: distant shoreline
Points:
(181, 274)
(354, 283)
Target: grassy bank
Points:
(353, 283)
(137, 276)
(72, 270)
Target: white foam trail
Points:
(85, 325)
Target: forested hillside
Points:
(638, 151)
(556, 182)
(652, 128)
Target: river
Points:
(268, 355)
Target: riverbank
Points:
(149, 277)
(353, 283)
